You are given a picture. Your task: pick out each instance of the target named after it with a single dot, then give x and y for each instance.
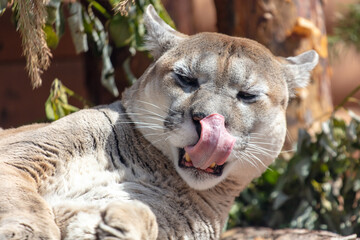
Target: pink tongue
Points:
(215, 143)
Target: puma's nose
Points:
(196, 117)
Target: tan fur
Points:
(113, 172)
(12, 131)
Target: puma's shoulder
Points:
(12, 131)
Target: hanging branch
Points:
(31, 16)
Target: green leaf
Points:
(351, 132)
(57, 106)
(88, 25)
(356, 185)
(107, 73)
(55, 17)
(51, 15)
(56, 115)
(3, 5)
(128, 73)
(52, 38)
(280, 199)
(304, 139)
(354, 116)
(99, 8)
(54, 4)
(159, 7)
(69, 108)
(60, 110)
(99, 35)
(77, 29)
(271, 176)
(49, 111)
(302, 168)
(119, 31)
(114, 2)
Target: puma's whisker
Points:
(151, 112)
(149, 127)
(142, 124)
(165, 107)
(288, 136)
(159, 140)
(155, 134)
(150, 116)
(153, 105)
(263, 143)
(262, 148)
(254, 157)
(248, 159)
(254, 149)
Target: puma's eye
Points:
(246, 97)
(185, 81)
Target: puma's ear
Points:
(299, 69)
(160, 36)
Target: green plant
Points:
(318, 188)
(95, 25)
(348, 26)
(57, 104)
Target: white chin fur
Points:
(202, 182)
(198, 183)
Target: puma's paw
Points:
(26, 230)
(128, 220)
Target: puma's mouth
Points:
(211, 151)
(186, 163)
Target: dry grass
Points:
(31, 19)
(123, 7)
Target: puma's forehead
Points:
(218, 53)
(225, 46)
(220, 58)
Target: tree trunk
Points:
(287, 28)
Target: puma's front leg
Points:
(131, 220)
(77, 220)
(24, 214)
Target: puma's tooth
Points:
(187, 157)
(213, 165)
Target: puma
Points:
(165, 162)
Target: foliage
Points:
(318, 188)
(94, 26)
(57, 104)
(348, 26)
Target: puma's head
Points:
(214, 104)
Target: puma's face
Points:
(214, 104)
